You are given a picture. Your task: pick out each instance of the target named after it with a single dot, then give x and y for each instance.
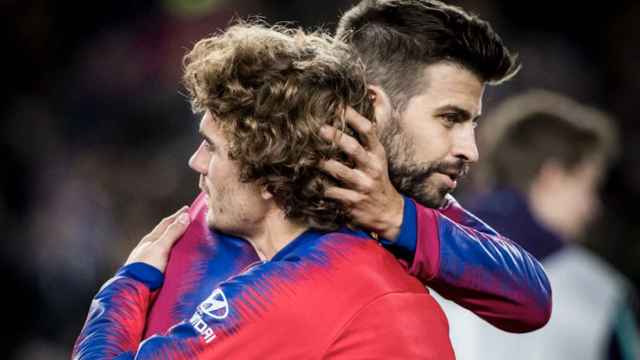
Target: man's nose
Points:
(198, 161)
(465, 147)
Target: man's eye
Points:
(451, 118)
(208, 146)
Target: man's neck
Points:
(273, 234)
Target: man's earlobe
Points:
(381, 103)
(372, 96)
(378, 96)
(266, 194)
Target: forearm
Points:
(116, 320)
(468, 262)
(494, 278)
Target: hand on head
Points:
(367, 191)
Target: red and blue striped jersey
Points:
(324, 295)
(448, 249)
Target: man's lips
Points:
(202, 186)
(451, 179)
(452, 173)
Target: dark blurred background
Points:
(95, 133)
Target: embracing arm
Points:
(469, 263)
(116, 319)
(117, 316)
(448, 249)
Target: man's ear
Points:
(381, 103)
(265, 194)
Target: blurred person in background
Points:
(426, 124)
(547, 156)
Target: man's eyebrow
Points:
(205, 136)
(454, 108)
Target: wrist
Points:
(392, 220)
(143, 272)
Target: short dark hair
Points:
(397, 38)
(271, 89)
(528, 130)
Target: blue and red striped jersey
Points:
(448, 249)
(324, 295)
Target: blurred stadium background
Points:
(95, 134)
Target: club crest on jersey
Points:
(216, 305)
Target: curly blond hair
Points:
(271, 89)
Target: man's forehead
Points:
(451, 86)
(205, 119)
(208, 127)
(209, 122)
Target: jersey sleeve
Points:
(233, 316)
(376, 333)
(468, 262)
(116, 322)
(117, 315)
(296, 306)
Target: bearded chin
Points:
(414, 182)
(409, 179)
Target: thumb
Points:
(174, 231)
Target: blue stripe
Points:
(145, 273)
